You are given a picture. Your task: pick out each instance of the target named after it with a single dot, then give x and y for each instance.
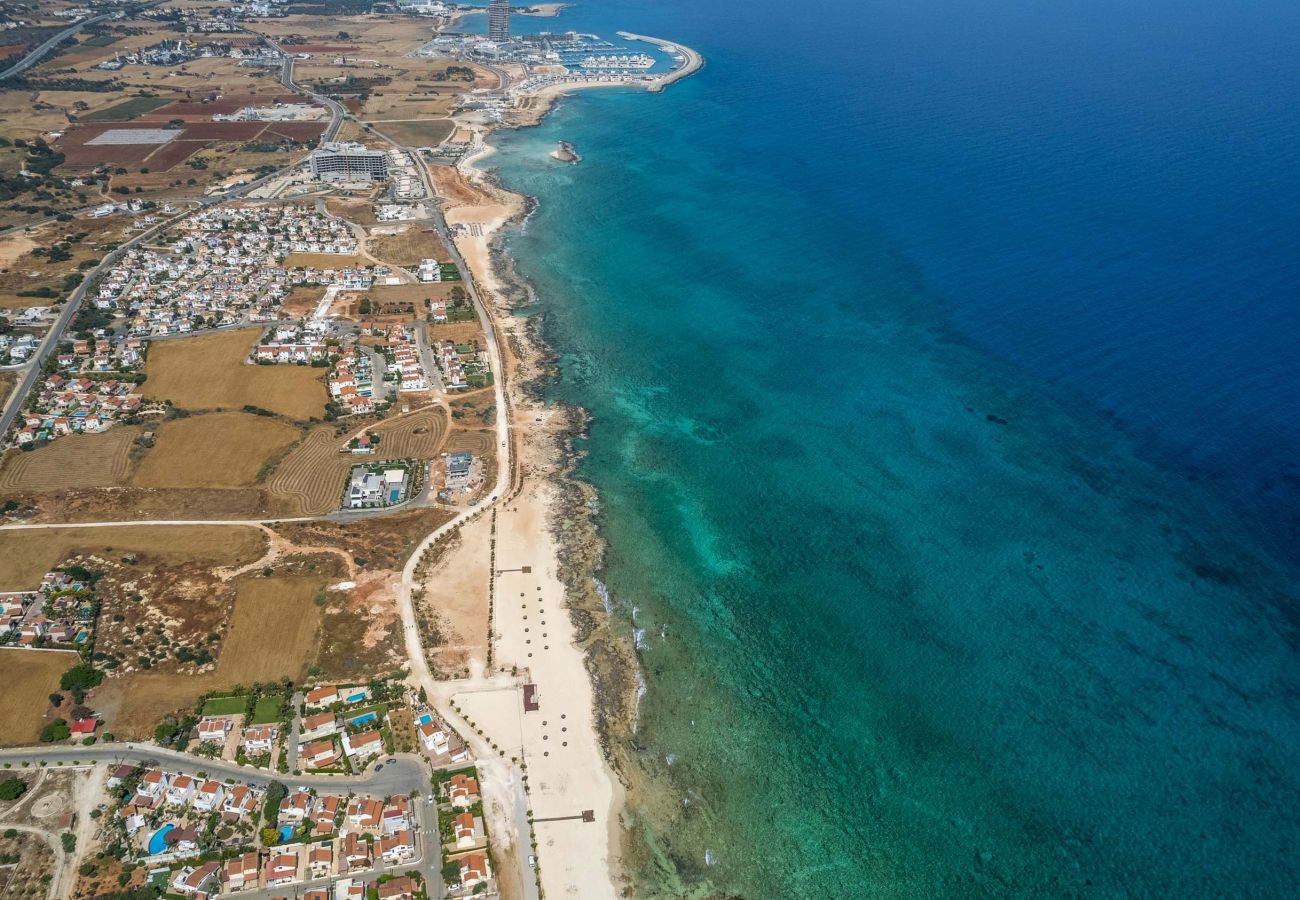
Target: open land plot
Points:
(27, 554)
(217, 450)
(272, 630)
(385, 542)
(209, 372)
(301, 300)
(29, 678)
(27, 273)
(271, 636)
(407, 247)
(359, 211)
(75, 461)
(416, 132)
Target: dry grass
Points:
(29, 676)
(209, 372)
(311, 477)
(407, 248)
(273, 630)
(417, 132)
(272, 635)
(73, 461)
(27, 554)
(218, 450)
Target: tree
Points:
(55, 699)
(55, 731)
(82, 678)
(451, 872)
(275, 792)
(69, 841)
(12, 788)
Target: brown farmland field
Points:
(209, 372)
(311, 477)
(218, 450)
(27, 554)
(272, 631)
(29, 676)
(73, 461)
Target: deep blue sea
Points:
(944, 366)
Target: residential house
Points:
(350, 889)
(354, 854)
(182, 840)
(394, 848)
(259, 739)
(463, 830)
(180, 791)
(397, 814)
(325, 815)
(239, 801)
(401, 888)
(365, 815)
(434, 736)
(213, 728)
(281, 868)
(320, 860)
(209, 796)
(363, 746)
(206, 879)
(118, 776)
(322, 696)
(473, 869)
(463, 791)
(319, 726)
(150, 788)
(295, 807)
(320, 755)
(241, 872)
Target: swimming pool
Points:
(364, 718)
(286, 832)
(424, 719)
(158, 842)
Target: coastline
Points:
(548, 521)
(535, 528)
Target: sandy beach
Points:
(533, 639)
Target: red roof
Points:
(85, 726)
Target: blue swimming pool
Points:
(424, 718)
(158, 842)
(364, 718)
(286, 832)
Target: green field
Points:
(267, 709)
(225, 706)
(129, 109)
(99, 40)
(449, 271)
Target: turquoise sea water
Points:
(946, 415)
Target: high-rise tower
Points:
(499, 20)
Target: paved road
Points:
(409, 775)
